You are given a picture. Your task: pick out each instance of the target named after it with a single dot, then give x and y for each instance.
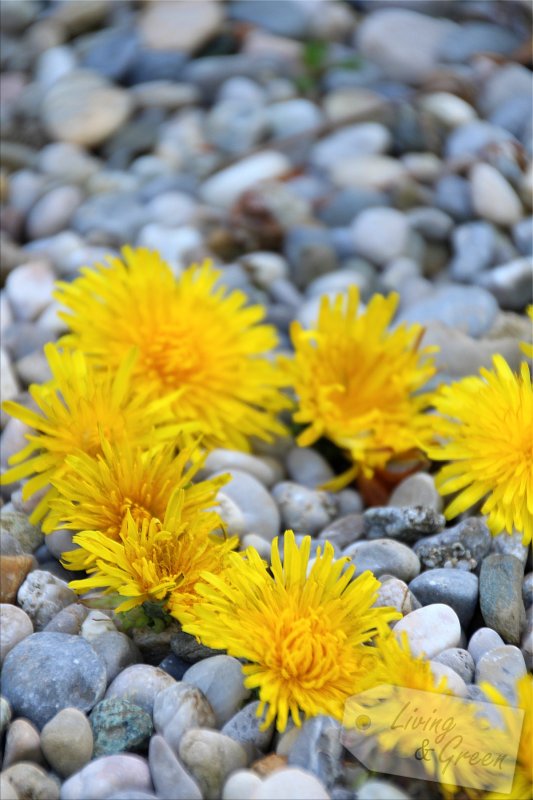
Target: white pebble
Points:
(220, 460)
(221, 681)
(241, 785)
(247, 507)
(291, 784)
(493, 197)
(29, 289)
(224, 188)
(430, 629)
(455, 683)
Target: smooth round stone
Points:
(226, 186)
(417, 490)
(500, 596)
(170, 778)
(104, 776)
(52, 212)
(210, 757)
(140, 684)
(493, 197)
(179, 26)
(310, 253)
(220, 460)
(482, 641)
(384, 556)
(474, 246)
(509, 79)
(242, 88)
(291, 783)
(265, 268)
(83, 108)
(375, 789)
(502, 667)
(117, 651)
(473, 138)
(510, 283)
(510, 544)
(26, 536)
(67, 742)
(15, 626)
(42, 596)
(221, 681)
(394, 593)
(178, 709)
(291, 117)
(22, 744)
(13, 571)
(53, 64)
(245, 728)
(449, 109)
(119, 726)
(337, 281)
(380, 173)
(95, 624)
(7, 790)
(430, 629)
(380, 234)
(453, 195)
(304, 510)
(460, 661)
(247, 507)
(455, 588)
(349, 501)
(308, 468)
(47, 672)
(474, 37)
(423, 167)
(432, 223)
(29, 289)
(241, 785)
(406, 524)
(455, 683)
(317, 749)
(343, 531)
(69, 620)
(471, 309)
(366, 138)
(29, 781)
(523, 236)
(464, 545)
(258, 543)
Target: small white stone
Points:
(42, 596)
(179, 26)
(96, 623)
(291, 784)
(380, 234)
(449, 109)
(455, 683)
(369, 172)
(482, 641)
(417, 490)
(174, 244)
(304, 510)
(140, 685)
(265, 268)
(15, 626)
(29, 289)
(221, 681)
(247, 507)
(308, 468)
(241, 785)
(220, 460)
(493, 197)
(211, 757)
(430, 629)
(502, 667)
(258, 543)
(106, 776)
(179, 708)
(226, 186)
(52, 212)
(170, 778)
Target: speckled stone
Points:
(500, 596)
(406, 524)
(119, 726)
(460, 661)
(502, 667)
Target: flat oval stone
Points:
(140, 684)
(47, 672)
(179, 708)
(384, 556)
(67, 741)
(221, 681)
(483, 640)
(430, 629)
(454, 587)
(500, 596)
(460, 661)
(105, 776)
(502, 667)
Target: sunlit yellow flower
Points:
(191, 334)
(304, 629)
(523, 776)
(76, 409)
(398, 666)
(359, 384)
(486, 424)
(527, 347)
(98, 492)
(155, 560)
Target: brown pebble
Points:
(13, 570)
(269, 764)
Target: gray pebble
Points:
(31, 780)
(502, 667)
(417, 490)
(406, 524)
(42, 596)
(68, 620)
(384, 556)
(50, 671)
(25, 536)
(510, 283)
(433, 223)
(170, 778)
(456, 588)
(210, 757)
(474, 248)
(189, 648)
(527, 590)
(349, 502)
(67, 741)
(317, 749)
(117, 651)
(310, 253)
(510, 544)
(472, 138)
(472, 38)
(468, 308)
(140, 685)
(15, 626)
(304, 510)
(430, 629)
(395, 593)
(108, 775)
(460, 661)
(179, 708)
(53, 211)
(381, 234)
(221, 681)
(483, 640)
(500, 596)
(119, 726)
(220, 460)
(453, 195)
(247, 507)
(308, 468)
(245, 728)
(343, 531)
(463, 546)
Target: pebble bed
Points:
(305, 146)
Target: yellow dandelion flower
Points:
(359, 384)
(398, 666)
(98, 492)
(155, 560)
(304, 629)
(523, 776)
(486, 423)
(75, 410)
(527, 347)
(190, 333)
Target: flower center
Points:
(306, 650)
(174, 356)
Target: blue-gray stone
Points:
(384, 557)
(472, 138)
(115, 213)
(523, 236)
(500, 596)
(282, 17)
(156, 65)
(514, 114)
(406, 524)
(310, 253)
(245, 727)
(119, 727)
(318, 749)
(511, 283)
(112, 52)
(472, 38)
(455, 587)
(453, 195)
(474, 246)
(463, 546)
(459, 660)
(343, 206)
(471, 309)
(47, 672)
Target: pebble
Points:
(117, 651)
(349, 501)
(510, 283)
(247, 507)
(417, 491)
(119, 726)
(245, 727)
(460, 661)
(379, 173)
(53, 64)
(456, 588)
(31, 781)
(226, 186)
(104, 776)
(502, 667)
(474, 248)
(430, 629)
(343, 531)
(7, 790)
(433, 223)
(310, 253)
(455, 683)
(482, 641)
(291, 783)
(95, 624)
(384, 556)
(292, 117)
(68, 620)
(317, 748)
(492, 196)
(366, 138)
(170, 778)
(42, 596)
(375, 789)
(527, 590)
(179, 708)
(265, 268)
(22, 744)
(13, 571)
(220, 460)
(179, 26)
(67, 742)
(83, 108)
(47, 672)
(510, 544)
(29, 289)
(221, 681)
(453, 195)
(395, 593)
(188, 647)
(472, 139)
(258, 543)
(464, 545)
(210, 757)
(52, 212)
(303, 510)
(380, 234)
(500, 596)
(472, 38)
(15, 626)
(241, 785)
(308, 468)
(406, 524)
(471, 309)
(140, 684)
(449, 109)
